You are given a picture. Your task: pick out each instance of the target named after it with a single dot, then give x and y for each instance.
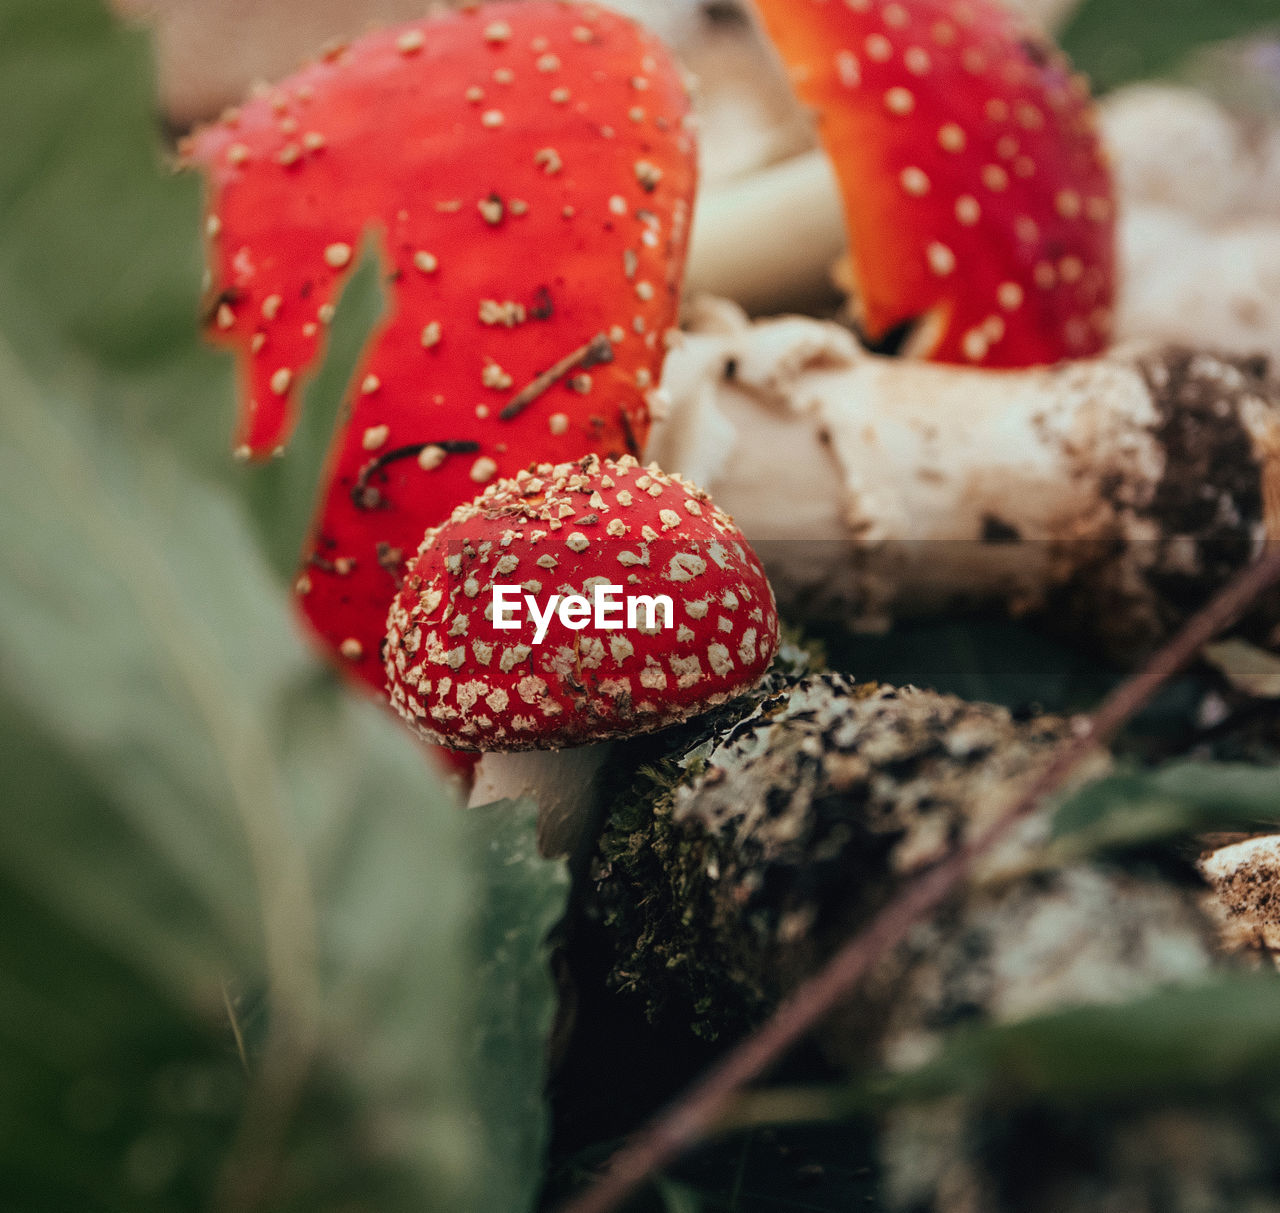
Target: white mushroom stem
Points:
(874, 486)
(565, 785)
(769, 240)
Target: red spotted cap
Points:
(530, 171)
(595, 530)
(976, 190)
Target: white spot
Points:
(492, 118)
(879, 48)
(337, 255)
(370, 384)
(1009, 295)
(497, 32)
(974, 345)
(281, 381)
(942, 261)
(431, 334)
(351, 649)
(426, 262)
(719, 660)
(647, 174)
(914, 181)
(686, 669)
(847, 69)
(1068, 204)
(899, 101)
(1029, 116)
(374, 437)
(968, 212)
(577, 542)
(994, 177)
(916, 60)
(484, 469)
(951, 138)
(411, 41)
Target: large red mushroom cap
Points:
(529, 168)
(976, 190)
(575, 530)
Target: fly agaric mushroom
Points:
(562, 540)
(530, 170)
(1111, 494)
(975, 190)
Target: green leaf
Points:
(283, 494)
(990, 660)
(1133, 808)
(1116, 41)
(193, 802)
(245, 957)
(522, 898)
(1199, 1041)
(677, 1198)
(98, 266)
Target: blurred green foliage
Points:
(1118, 41)
(252, 953)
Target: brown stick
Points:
(696, 1115)
(599, 349)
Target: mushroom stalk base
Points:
(756, 855)
(1113, 494)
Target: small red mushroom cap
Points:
(565, 530)
(976, 190)
(529, 169)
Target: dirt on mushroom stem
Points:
(747, 856)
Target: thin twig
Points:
(234, 1020)
(599, 349)
(699, 1112)
(367, 497)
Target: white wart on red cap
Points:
(564, 530)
